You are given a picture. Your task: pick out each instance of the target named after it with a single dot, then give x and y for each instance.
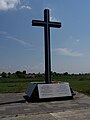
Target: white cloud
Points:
(38, 67)
(54, 19)
(3, 32)
(11, 4)
(25, 7)
(77, 40)
(74, 39)
(19, 41)
(8, 4)
(68, 52)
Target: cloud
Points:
(25, 7)
(40, 66)
(8, 4)
(54, 19)
(13, 4)
(74, 39)
(3, 33)
(68, 52)
(19, 41)
(77, 40)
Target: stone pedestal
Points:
(48, 92)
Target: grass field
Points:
(80, 83)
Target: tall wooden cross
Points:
(47, 24)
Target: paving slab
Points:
(83, 114)
(14, 107)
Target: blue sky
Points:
(22, 45)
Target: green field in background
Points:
(80, 83)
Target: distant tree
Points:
(51, 72)
(9, 73)
(24, 72)
(18, 74)
(72, 74)
(54, 73)
(4, 75)
(66, 73)
(21, 74)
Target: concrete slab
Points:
(66, 115)
(83, 114)
(14, 107)
(31, 117)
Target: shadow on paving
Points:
(36, 100)
(18, 101)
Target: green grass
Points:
(10, 85)
(80, 83)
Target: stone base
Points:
(48, 92)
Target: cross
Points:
(47, 24)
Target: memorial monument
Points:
(47, 90)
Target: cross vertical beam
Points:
(47, 24)
(47, 48)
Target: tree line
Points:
(24, 74)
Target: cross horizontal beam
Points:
(43, 23)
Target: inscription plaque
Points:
(54, 90)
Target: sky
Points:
(22, 45)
